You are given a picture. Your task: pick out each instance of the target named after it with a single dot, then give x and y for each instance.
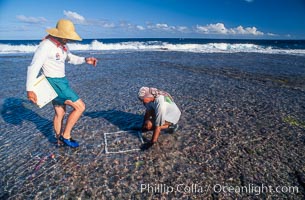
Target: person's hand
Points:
(91, 61)
(146, 146)
(32, 96)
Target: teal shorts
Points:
(63, 90)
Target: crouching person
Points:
(161, 113)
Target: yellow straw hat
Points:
(64, 29)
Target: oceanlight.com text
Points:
(255, 189)
(218, 188)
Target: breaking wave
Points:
(96, 45)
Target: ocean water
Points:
(242, 122)
(292, 47)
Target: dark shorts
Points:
(63, 90)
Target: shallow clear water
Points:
(242, 123)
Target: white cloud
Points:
(108, 25)
(272, 34)
(245, 31)
(128, 26)
(254, 31)
(209, 29)
(220, 28)
(141, 28)
(31, 20)
(182, 29)
(249, 1)
(77, 18)
(161, 27)
(103, 24)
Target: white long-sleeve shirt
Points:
(51, 58)
(165, 110)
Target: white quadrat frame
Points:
(139, 133)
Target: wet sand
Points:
(242, 125)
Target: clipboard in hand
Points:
(44, 91)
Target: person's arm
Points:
(40, 56)
(154, 139)
(156, 134)
(77, 60)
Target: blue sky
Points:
(251, 19)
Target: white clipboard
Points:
(44, 91)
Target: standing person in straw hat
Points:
(51, 56)
(161, 113)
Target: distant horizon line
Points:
(148, 38)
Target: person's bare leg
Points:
(79, 108)
(58, 119)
